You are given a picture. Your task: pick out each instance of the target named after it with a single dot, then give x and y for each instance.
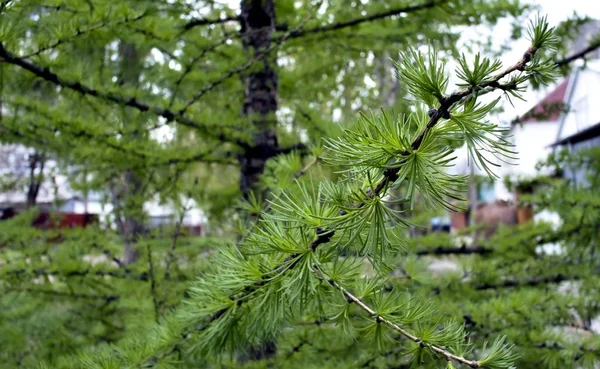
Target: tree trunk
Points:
(132, 203)
(36, 161)
(260, 105)
(257, 27)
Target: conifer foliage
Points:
(305, 257)
(314, 269)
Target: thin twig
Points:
(307, 167)
(369, 18)
(46, 74)
(249, 64)
(579, 55)
(106, 298)
(380, 319)
(171, 254)
(81, 32)
(155, 301)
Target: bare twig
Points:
(369, 18)
(256, 58)
(171, 254)
(106, 298)
(152, 278)
(81, 32)
(591, 48)
(307, 167)
(380, 319)
(203, 22)
(46, 74)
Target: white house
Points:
(566, 116)
(56, 193)
(580, 127)
(532, 135)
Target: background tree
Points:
(243, 89)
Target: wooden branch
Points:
(300, 147)
(259, 56)
(106, 298)
(104, 139)
(81, 273)
(462, 250)
(532, 282)
(81, 32)
(46, 74)
(380, 319)
(207, 22)
(579, 55)
(155, 302)
(446, 103)
(369, 18)
(307, 167)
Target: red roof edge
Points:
(550, 107)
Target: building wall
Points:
(577, 175)
(531, 142)
(584, 103)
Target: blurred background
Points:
(137, 138)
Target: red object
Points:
(458, 220)
(46, 220)
(64, 220)
(554, 98)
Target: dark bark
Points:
(257, 20)
(369, 18)
(257, 28)
(132, 225)
(46, 74)
(36, 162)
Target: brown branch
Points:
(104, 139)
(106, 298)
(307, 167)
(463, 250)
(350, 298)
(532, 282)
(81, 32)
(189, 67)
(46, 74)
(288, 149)
(369, 18)
(579, 55)
(232, 72)
(207, 22)
(81, 273)
(152, 278)
(174, 238)
(446, 103)
(204, 22)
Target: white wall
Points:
(585, 101)
(531, 142)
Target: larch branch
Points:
(369, 18)
(380, 319)
(46, 74)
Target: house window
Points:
(486, 192)
(581, 112)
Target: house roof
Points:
(586, 134)
(550, 107)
